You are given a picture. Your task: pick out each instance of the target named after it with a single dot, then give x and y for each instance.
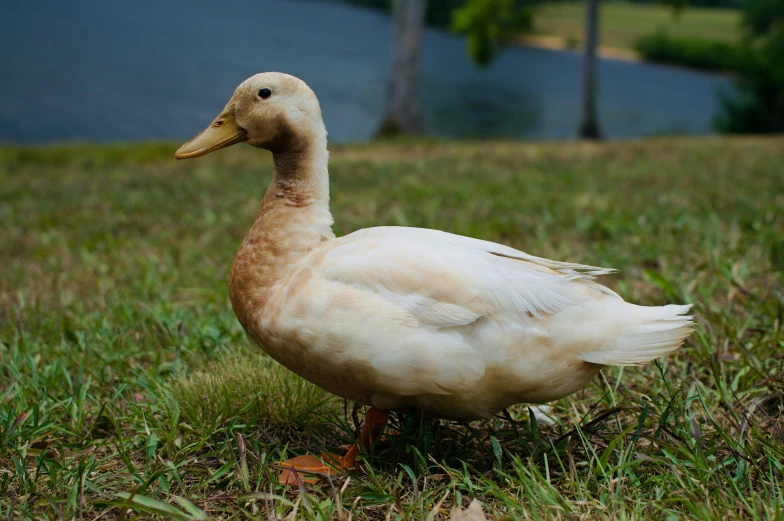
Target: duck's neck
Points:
(293, 219)
(300, 178)
(294, 214)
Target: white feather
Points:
(462, 327)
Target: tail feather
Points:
(656, 332)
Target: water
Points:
(106, 71)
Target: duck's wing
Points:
(460, 241)
(410, 302)
(432, 273)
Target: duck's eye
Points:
(265, 93)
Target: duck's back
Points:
(460, 328)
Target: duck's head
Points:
(270, 110)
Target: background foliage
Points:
(760, 105)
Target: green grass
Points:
(622, 24)
(127, 382)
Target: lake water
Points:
(101, 70)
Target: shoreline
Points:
(558, 43)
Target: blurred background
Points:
(106, 71)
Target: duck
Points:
(408, 319)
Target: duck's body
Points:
(401, 318)
(459, 328)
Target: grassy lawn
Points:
(622, 24)
(127, 381)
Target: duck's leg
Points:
(330, 464)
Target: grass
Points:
(128, 390)
(622, 24)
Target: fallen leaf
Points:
(474, 512)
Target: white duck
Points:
(407, 318)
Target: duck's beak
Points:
(221, 133)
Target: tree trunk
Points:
(589, 127)
(402, 109)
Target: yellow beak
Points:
(221, 133)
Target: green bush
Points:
(490, 26)
(761, 16)
(758, 105)
(693, 52)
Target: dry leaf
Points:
(474, 512)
